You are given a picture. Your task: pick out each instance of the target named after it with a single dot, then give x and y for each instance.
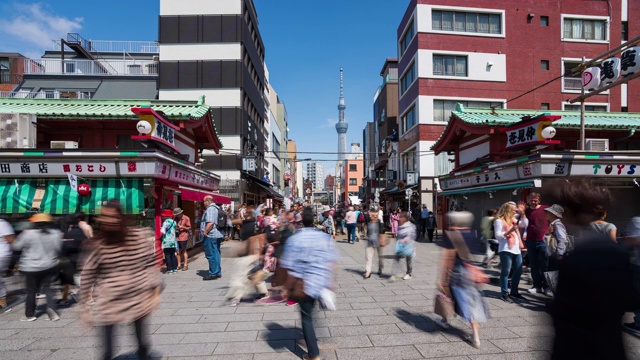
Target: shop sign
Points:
(596, 169)
(137, 168)
(530, 132)
(540, 169)
(52, 169)
(481, 179)
(185, 177)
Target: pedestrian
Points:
(601, 226)
(337, 219)
(350, 219)
(375, 242)
(460, 275)
(536, 247)
(212, 230)
(431, 226)
(40, 247)
(82, 223)
(7, 236)
(632, 243)
(169, 242)
(405, 246)
(492, 244)
(394, 218)
(123, 277)
(424, 214)
(328, 225)
(72, 245)
(510, 247)
(310, 257)
(557, 248)
(184, 234)
(587, 325)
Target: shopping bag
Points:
(444, 305)
(328, 299)
(403, 249)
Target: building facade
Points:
(315, 174)
(486, 54)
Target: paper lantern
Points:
(591, 78)
(144, 127)
(630, 61)
(609, 71)
(84, 189)
(549, 132)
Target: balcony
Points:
(91, 67)
(108, 46)
(44, 95)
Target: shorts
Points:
(182, 245)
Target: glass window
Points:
(585, 29)
(576, 107)
(544, 21)
(353, 181)
(406, 39)
(353, 167)
(409, 119)
(408, 78)
(462, 21)
(544, 64)
(442, 108)
(450, 65)
(544, 106)
(625, 31)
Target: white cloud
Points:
(329, 123)
(29, 29)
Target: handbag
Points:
(295, 288)
(403, 249)
(475, 273)
(444, 305)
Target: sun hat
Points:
(556, 210)
(40, 217)
(326, 208)
(177, 211)
(167, 213)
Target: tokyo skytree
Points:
(341, 126)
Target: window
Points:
(585, 29)
(442, 108)
(569, 83)
(576, 107)
(625, 31)
(408, 78)
(353, 167)
(544, 106)
(353, 181)
(409, 119)
(276, 176)
(624, 109)
(406, 39)
(409, 162)
(470, 22)
(544, 64)
(275, 146)
(450, 65)
(544, 21)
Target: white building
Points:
(315, 174)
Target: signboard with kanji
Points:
(528, 133)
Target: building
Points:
(352, 176)
(11, 71)
(329, 186)
(214, 48)
(484, 54)
(315, 174)
(342, 126)
(293, 186)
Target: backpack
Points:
(361, 218)
(326, 224)
(221, 223)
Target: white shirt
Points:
(5, 229)
(498, 231)
(380, 217)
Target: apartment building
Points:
(315, 174)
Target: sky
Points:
(305, 42)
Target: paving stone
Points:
(185, 349)
(283, 334)
(256, 347)
(378, 304)
(185, 305)
(407, 339)
(343, 342)
(364, 330)
(390, 352)
(259, 325)
(213, 357)
(184, 319)
(206, 310)
(26, 354)
(487, 334)
(363, 312)
(190, 328)
(533, 355)
(524, 344)
(230, 318)
(533, 331)
(458, 348)
(6, 333)
(14, 344)
(45, 333)
(343, 321)
(64, 343)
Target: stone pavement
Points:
(375, 319)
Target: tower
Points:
(341, 126)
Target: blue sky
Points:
(306, 43)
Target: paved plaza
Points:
(376, 319)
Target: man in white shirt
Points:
(6, 238)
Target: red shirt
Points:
(538, 223)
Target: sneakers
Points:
(406, 277)
(28, 318)
(63, 302)
(534, 290)
(231, 303)
(506, 298)
(40, 296)
(548, 292)
(209, 277)
(307, 357)
(270, 300)
(392, 278)
(632, 328)
(52, 315)
(291, 303)
(517, 296)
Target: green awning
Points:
(16, 196)
(487, 188)
(60, 198)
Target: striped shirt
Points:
(309, 254)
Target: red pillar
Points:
(158, 222)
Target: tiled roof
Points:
(101, 109)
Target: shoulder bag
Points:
(476, 274)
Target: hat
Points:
(556, 210)
(326, 208)
(167, 213)
(40, 217)
(460, 218)
(177, 211)
(633, 230)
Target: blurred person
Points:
(121, 271)
(559, 232)
(460, 275)
(7, 236)
(405, 247)
(601, 226)
(534, 240)
(394, 218)
(506, 231)
(486, 229)
(82, 223)
(632, 243)
(337, 219)
(587, 326)
(40, 248)
(380, 217)
(424, 214)
(72, 244)
(328, 225)
(375, 243)
(351, 219)
(169, 242)
(359, 221)
(184, 233)
(213, 237)
(431, 226)
(310, 255)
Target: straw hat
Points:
(556, 210)
(177, 211)
(41, 218)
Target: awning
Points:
(488, 188)
(60, 198)
(271, 192)
(16, 196)
(188, 194)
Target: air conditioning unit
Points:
(596, 144)
(64, 144)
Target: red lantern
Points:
(84, 189)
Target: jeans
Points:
(368, 256)
(107, 341)
(39, 280)
(212, 253)
(351, 232)
(4, 265)
(538, 262)
(309, 333)
(170, 259)
(510, 261)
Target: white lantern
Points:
(609, 71)
(549, 132)
(143, 127)
(630, 61)
(591, 78)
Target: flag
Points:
(73, 181)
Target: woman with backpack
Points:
(169, 240)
